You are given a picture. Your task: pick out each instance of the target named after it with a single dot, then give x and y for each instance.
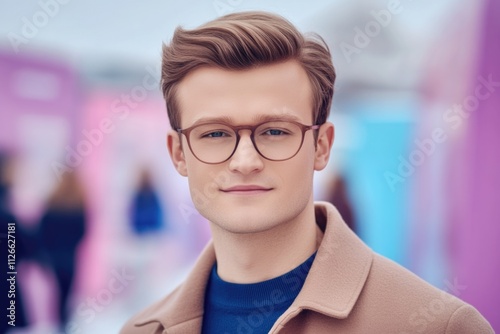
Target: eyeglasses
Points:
(214, 143)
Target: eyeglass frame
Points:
(304, 128)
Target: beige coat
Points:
(349, 289)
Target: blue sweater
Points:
(250, 308)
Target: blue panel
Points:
(382, 211)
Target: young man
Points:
(248, 99)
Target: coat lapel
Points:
(338, 273)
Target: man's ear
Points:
(176, 154)
(324, 144)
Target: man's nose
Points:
(246, 159)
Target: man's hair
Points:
(242, 41)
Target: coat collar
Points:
(338, 273)
(332, 287)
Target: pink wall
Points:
(476, 220)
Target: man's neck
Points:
(256, 257)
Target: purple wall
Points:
(475, 204)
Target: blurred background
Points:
(105, 226)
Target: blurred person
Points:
(337, 195)
(61, 229)
(248, 98)
(18, 244)
(146, 212)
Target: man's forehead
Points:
(290, 66)
(279, 90)
(273, 76)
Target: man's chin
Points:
(243, 226)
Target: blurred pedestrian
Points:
(62, 227)
(337, 194)
(16, 243)
(146, 215)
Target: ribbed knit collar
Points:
(280, 290)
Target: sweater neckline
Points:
(279, 290)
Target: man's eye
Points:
(215, 134)
(275, 132)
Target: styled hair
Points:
(242, 41)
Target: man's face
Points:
(248, 193)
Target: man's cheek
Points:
(203, 192)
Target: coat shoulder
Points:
(466, 319)
(420, 306)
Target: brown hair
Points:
(241, 41)
(68, 194)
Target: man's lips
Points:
(246, 189)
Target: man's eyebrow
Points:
(277, 117)
(221, 119)
(258, 119)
